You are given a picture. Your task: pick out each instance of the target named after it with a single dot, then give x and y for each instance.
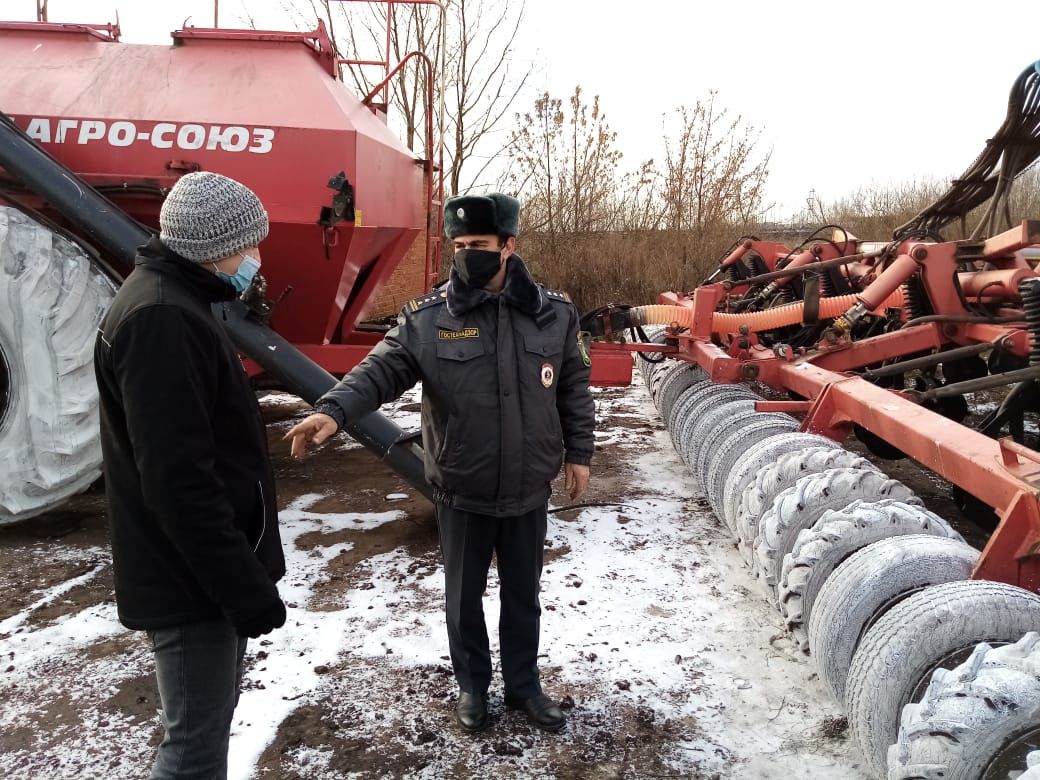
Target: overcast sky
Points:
(846, 95)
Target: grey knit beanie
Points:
(207, 216)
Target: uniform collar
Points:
(520, 291)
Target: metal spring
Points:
(1030, 290)
(915, 302)
(826, 287)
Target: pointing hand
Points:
(315, 430)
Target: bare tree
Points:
(480, 83)
(564, 164)
(482, 86)
(639, 206)
(534, 152)
(713, 174)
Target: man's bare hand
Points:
(576, 479)
(314, 430)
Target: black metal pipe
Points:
(97, 219)
(974, 385)
(963, 318)
(928, 360)
(116, 234)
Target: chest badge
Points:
(547, 374)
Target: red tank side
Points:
(262, 109)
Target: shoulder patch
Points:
(425, 301)
(558, 295)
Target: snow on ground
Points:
(285, 672)
(647, 608)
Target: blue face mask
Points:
(243, 277)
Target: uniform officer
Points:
(505, 399)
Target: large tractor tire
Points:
(835, 536)
(756, 459)
(777, 478)
(51, 302)
(715, 438)
(799, 507)
(655, 370)
(936, 628)
(868, 584)
(732, 440)
(710, 398)
(698, 434)
(680, 410)
(978, 721)
(676, 380)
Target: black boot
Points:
(541, 711)
(471, 711)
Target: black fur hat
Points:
(477, 215)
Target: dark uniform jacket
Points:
(505, 390)
(191, 495)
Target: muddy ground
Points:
(668, 659)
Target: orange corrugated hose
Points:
(789, 314)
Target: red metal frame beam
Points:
(886, 346)
(1026, 234)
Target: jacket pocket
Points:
(470, 458)
(545, 345)
(460, 350)
(463, 365)
(543, 443)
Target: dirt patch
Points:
(834, 728)
(602, 740)
(28, 566)
(417, 537)
(98, 589)
(137, 698)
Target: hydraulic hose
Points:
(770, 319)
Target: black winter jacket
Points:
(505, 390)
(191, 496)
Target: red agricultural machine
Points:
(931, 645)
(120, 124)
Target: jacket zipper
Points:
(263, 516)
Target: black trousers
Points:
(467, 543)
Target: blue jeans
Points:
(199, 670)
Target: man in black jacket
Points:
(505, 399)
(192, 508)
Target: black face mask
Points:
(477, 267)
